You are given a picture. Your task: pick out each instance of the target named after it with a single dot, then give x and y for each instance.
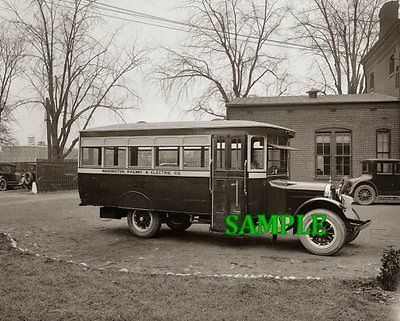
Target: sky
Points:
(152, 105)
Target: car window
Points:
(7, 169)
(384, 168)
(365, 168)
(397, 168)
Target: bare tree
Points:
(73, 74)
(341, 32)
(11, 57)
(226, 54)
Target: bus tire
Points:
(178, 223)
(330, 243)
(143, 223)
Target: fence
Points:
(56, 176)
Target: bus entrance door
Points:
(228, 179)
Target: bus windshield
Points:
(277, 160)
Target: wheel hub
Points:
(142, 220)
(323, 240)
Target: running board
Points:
(387, 198)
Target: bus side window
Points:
(140, 156)
(91, 156)
(195, 157)
(167, 156)
(115, 156)
(257, 153)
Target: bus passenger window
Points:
(195, 157)
(167, 156)
(257, 153)
(91, 156)
(115, 156)
(140, 156)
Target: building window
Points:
(383, 143)
(391, 65)
(372, 82)
(323, 154)
(397, 77)
(333, 153)
(343, 154)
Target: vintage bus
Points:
(179, 173)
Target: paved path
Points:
(53, 224)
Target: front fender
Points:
(365, 182)
(343, 209)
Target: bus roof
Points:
(216, 124)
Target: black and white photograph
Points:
(200, 160)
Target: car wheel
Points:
(178, 222)
(143, 223)
(364, 195)
(3, 184)
(327, 244)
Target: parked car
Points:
(380, 180)
(9, 177)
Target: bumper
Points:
(352, 217)
(358, 225)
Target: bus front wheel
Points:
(329, 242)
(143, 223)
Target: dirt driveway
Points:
(54, 225)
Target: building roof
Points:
(305, 100)
(188, 125)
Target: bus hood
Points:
(303, 186)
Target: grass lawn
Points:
(36, 288)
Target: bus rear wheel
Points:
(334, 238)
(178, 223)
(143, 223)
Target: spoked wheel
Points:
(143, 223)
(327, 244)
(3, 184)
(178, 222)
(364, 195)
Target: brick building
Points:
(382, 62)
(335, 132)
